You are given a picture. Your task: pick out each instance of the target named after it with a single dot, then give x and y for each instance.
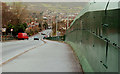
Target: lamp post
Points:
(11, 31)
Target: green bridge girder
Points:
(94, 36)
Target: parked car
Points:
(22, 36)
(36, 38)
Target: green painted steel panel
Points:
(94, 37)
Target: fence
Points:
(56, 38)
(7, 37)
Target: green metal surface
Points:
(94, 37)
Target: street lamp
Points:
(11, 31)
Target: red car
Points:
(22, 36)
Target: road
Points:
(10, 49)
(47, 32)
(38, 56)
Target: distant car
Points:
(36, 38)
(22, 36)
(49, 27)
(43, 34)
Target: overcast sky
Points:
(58, 0)
(44, 0)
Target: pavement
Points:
(15, 47)
(50, 57)
(38, 56)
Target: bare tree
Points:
(13, 16)
(20, 11)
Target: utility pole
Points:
(51, 26)
(67, 21)
(11, 31)
(56, 25)
(1, 36)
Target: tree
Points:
(13, 17)
(21, 28)
(39, 25)
(20, 11)
(25, 25)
